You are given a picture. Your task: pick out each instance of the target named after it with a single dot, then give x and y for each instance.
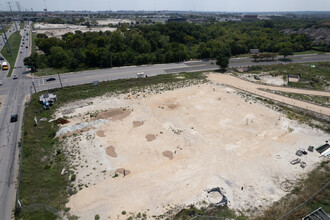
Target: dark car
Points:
(13, 118)
(1, 58)
(50, 79)
(26, 47)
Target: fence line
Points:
(303, 203)
(21, 152)
(205, 217)
(41, 207)
(32, 207)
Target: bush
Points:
(73, 177)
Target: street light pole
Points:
(60, 80)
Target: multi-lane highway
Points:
(14, 93)
(16, 90)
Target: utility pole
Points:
(18, 6)
(110, 60)
(35, 91)
(9, 4)
(6, 39)
(60, 80)
(45, 9)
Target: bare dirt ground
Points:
(266, 79)
(255, 89)
(113, 21)
(157, 153)
(57, 30)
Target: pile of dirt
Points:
(123, 171)
(150, 137)
(114, 114)
(168, 154)
(137, 123)
(100, 133)
(111, 151)
(61, 121)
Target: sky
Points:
(183, 5)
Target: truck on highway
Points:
(4, 66)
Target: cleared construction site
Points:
(156, 151)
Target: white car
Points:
(14, 76)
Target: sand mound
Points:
(123, 171)
(100, 133)
(111, 151)
(150, 137)
(137, 123)
(173, 105)
(168, 154)
(114, 114)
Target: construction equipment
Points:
(295, 161)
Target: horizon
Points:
(226, 6)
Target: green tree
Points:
(32, 62)
(286, 51)
(57, 57)
(222, 61)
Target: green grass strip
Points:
(14, 41)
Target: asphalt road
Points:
(15, 91)
(78, 78)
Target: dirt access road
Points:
(255, 89)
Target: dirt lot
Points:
(152, 153)
(113, 21)
(57, 30)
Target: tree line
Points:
(162, 43)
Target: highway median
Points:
(14, 41)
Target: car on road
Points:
(26, 47)
(14, 76)
(13, 118)
(0, 82)
(1, 58)
(50, 79)
(21, 51)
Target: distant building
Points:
(177, 20)
(250, 17)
